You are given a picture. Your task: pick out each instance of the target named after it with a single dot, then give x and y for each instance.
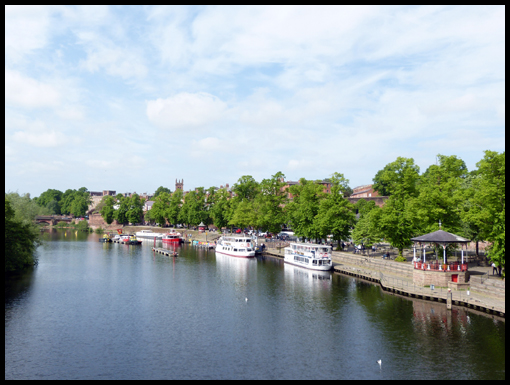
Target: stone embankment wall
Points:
(489, 287)
(401, 269)
(96, 220)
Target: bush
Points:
(99, 230)
(83, 226)
(400, 259)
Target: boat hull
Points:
(235, 255)
(310, 267)
(172, 241)
(249, 254)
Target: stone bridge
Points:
(53, 219)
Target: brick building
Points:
(365, 191)
(326, 184)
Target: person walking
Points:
(494, 268)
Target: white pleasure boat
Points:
(149, 234)
(309, 255)
(241, 247)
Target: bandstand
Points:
(453, 275)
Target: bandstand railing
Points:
(450, 266)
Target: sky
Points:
(130, 98)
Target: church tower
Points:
(179, 185)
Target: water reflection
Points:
(316, 282)
(237, 268)
(68, 235)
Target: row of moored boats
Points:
(134, 239)
(309, 255)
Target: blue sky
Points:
(130, 98)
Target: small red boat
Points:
(172, 238)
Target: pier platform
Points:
(168, 253)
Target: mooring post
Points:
(449, 299)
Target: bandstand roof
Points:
(440, 236)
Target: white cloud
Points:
(27, 28)
(116, 61)
(49, 138)
(186, 110)
(26, 92)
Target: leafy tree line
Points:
(261, 205)
(75, 202)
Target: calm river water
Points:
(106, 311)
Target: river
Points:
(90, 310)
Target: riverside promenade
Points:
(486, 292)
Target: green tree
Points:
(302, 210)
(397, 221)
(75, 202)
(438, 195)
(66, 201)
(160, 190)
(107, 211)
(25, 208)
(268, 206)
(220, 210)
(174, 206)
(80, 204)
(382, 184)
(485, 210)
(367, 229)
(121, 212)
(336, 215)
(160, 207)
(50, 199)
(244, 191)
(246, 188)
(243, 215)
(135, 212)
(21, 240)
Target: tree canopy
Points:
(21, 239)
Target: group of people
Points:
(496, 269)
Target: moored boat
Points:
(172, 238)
(309, 255)
(149, 234)
(105, 238)
(129, 239)
(240, 247)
